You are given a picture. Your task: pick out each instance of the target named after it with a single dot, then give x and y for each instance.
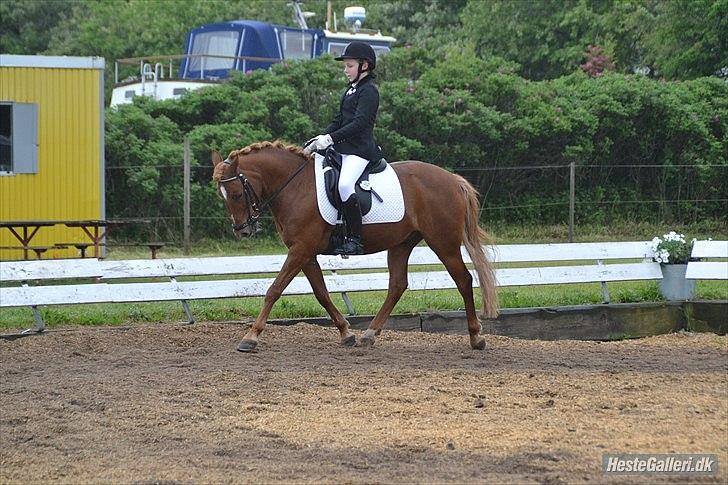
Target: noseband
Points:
(252, 201)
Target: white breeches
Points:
(352, 167)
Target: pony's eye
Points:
(237, 196)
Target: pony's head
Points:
(241, 192)
(240, 196)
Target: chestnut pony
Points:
(441, 208)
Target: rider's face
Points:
(351, 68)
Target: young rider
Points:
(351, 134)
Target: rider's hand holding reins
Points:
(317, 143)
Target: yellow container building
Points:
(51, 148)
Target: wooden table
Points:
(28, 230)
(87, 227)
(24, 231)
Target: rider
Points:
(351, 134)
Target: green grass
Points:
(368, 303)
(618, 231)
(365, 303)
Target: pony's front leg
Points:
(312, 270)
(290, 269)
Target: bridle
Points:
(252, 200)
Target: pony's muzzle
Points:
(241, 233)
(247, 231)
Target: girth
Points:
(332, 172)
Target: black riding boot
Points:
(352, 216)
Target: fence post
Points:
(186, 222)
(572, 194)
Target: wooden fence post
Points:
(186, 222)
(572, 195)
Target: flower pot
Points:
(673, 285)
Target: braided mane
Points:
(256, 147)
(262, 145)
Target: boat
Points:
(213, 51)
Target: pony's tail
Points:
(473, 237)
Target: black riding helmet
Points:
(359, 51)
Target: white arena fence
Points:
(84, 281)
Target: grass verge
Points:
(365, 303)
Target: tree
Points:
(430, 24)
(27, 27)
(548, 37)
(689, 39)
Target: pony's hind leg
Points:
(453, 261)
(312, 270)
(397, 258)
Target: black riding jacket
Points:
(352, 130)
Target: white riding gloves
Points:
(321, 142)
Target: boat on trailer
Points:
(213, 51)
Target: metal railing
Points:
(145, 64)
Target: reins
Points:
(252, 200)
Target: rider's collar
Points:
(359, 81)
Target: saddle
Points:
(364, 190)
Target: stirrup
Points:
(350, 247)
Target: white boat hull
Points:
(159, 90)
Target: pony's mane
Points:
(256, 147)
(262, 145)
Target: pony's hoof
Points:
(247, 345)
(365, 342)
(349, 341)
(479, 344)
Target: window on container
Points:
(296, 44)
(18, 138)
(380, 50)
(6, 146)
(336, 48)
(220, 43)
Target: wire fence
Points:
(549, 194)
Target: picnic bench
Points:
(25, 231)
(61, 282)
(81, 246)
(97, 232)
(154, 246)
(38, 250)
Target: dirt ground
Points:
(177, 404)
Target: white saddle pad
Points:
(385, 183)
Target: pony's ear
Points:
(216, 158)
